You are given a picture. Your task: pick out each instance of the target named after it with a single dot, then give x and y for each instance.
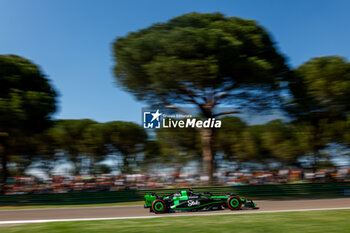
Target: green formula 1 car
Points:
(190, 201)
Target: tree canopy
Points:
(27, 99)
(320, 87)
(27, 102)
(195, 58)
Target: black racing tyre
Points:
(159, 206)
(234, 203)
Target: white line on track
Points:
(161, 216)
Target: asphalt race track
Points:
(14, 217)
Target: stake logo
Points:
(152, 120)
(191, 203)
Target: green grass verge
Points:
(308, 221)
(70, 206)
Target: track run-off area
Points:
(14, 217)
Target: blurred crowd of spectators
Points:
(107, 182)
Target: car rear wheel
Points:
(234, 203)
(159, 206)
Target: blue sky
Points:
(71, 40)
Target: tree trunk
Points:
(126, 167)
(316, 154)
(208, 153)
(4, 171)
(77, 163)
(4, 158)
(92, 170)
